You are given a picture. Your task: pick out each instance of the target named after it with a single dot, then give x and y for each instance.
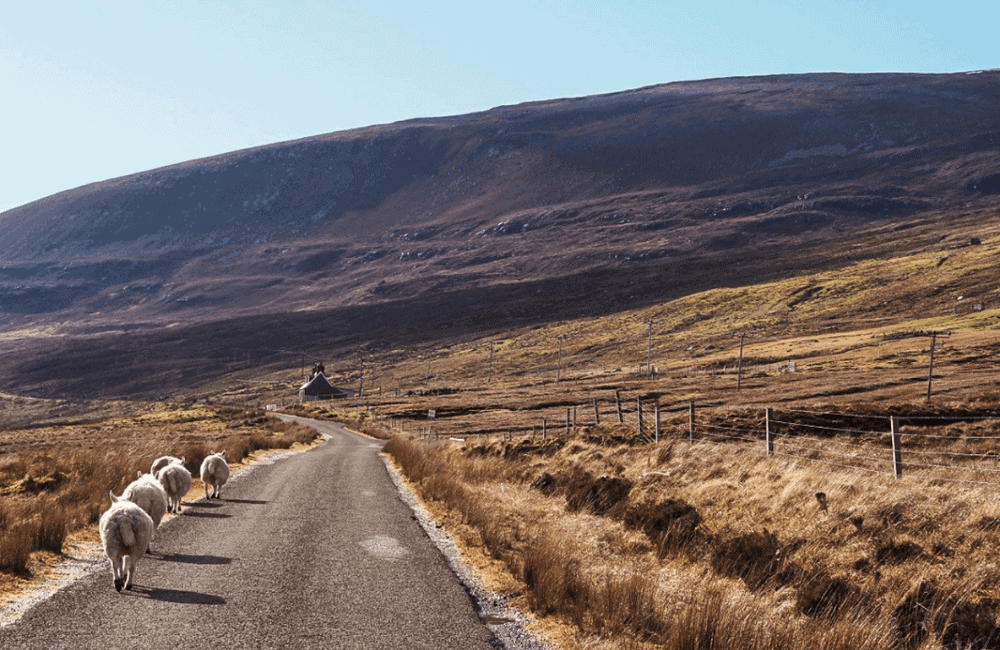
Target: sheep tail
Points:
(126, 532)
(174, 482)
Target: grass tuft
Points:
(598, 495)
(754, 557)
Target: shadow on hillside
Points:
(182, 357)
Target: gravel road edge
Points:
(508, 624)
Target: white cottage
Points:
(318, 387)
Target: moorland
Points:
(788, 243)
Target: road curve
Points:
(315, 550)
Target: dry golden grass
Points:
(686, 545)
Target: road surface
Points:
(313, 551)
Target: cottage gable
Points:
(319, 387)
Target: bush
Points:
(193, 454)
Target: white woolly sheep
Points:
(215, 473)
(176, 480)
(147, 493)
(126, 530)
(162, 462)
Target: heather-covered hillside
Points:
(530, 213)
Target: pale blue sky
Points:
(96, 90)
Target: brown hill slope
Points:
(531, 213)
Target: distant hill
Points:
(517, 215)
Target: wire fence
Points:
(958, 449)
(942, 448)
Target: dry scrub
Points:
(719, 547)
(55, 480)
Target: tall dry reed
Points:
(739, 551)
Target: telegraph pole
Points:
(930, 372)
(739, 364)
(649, 347)
(361, 380)
(559, 365)
(933, 334)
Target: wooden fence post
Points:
(544, 429)
(638, 410)
(567, 422)
(897, 449)
(597, 413)
(768, 437)
(691, 422)
(618, 404)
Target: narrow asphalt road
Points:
(315, 550)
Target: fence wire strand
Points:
(838, 430)
(847, 448)
(824, 441)
(834, 453)
(849, 455)
(841, 465)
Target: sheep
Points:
(176, 480)
(214, 472)
(147, 493)
(162, 462)
(126, 530)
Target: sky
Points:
(95, 90)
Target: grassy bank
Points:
(683, 545)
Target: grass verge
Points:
(718, 546)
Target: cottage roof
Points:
(318, 385)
